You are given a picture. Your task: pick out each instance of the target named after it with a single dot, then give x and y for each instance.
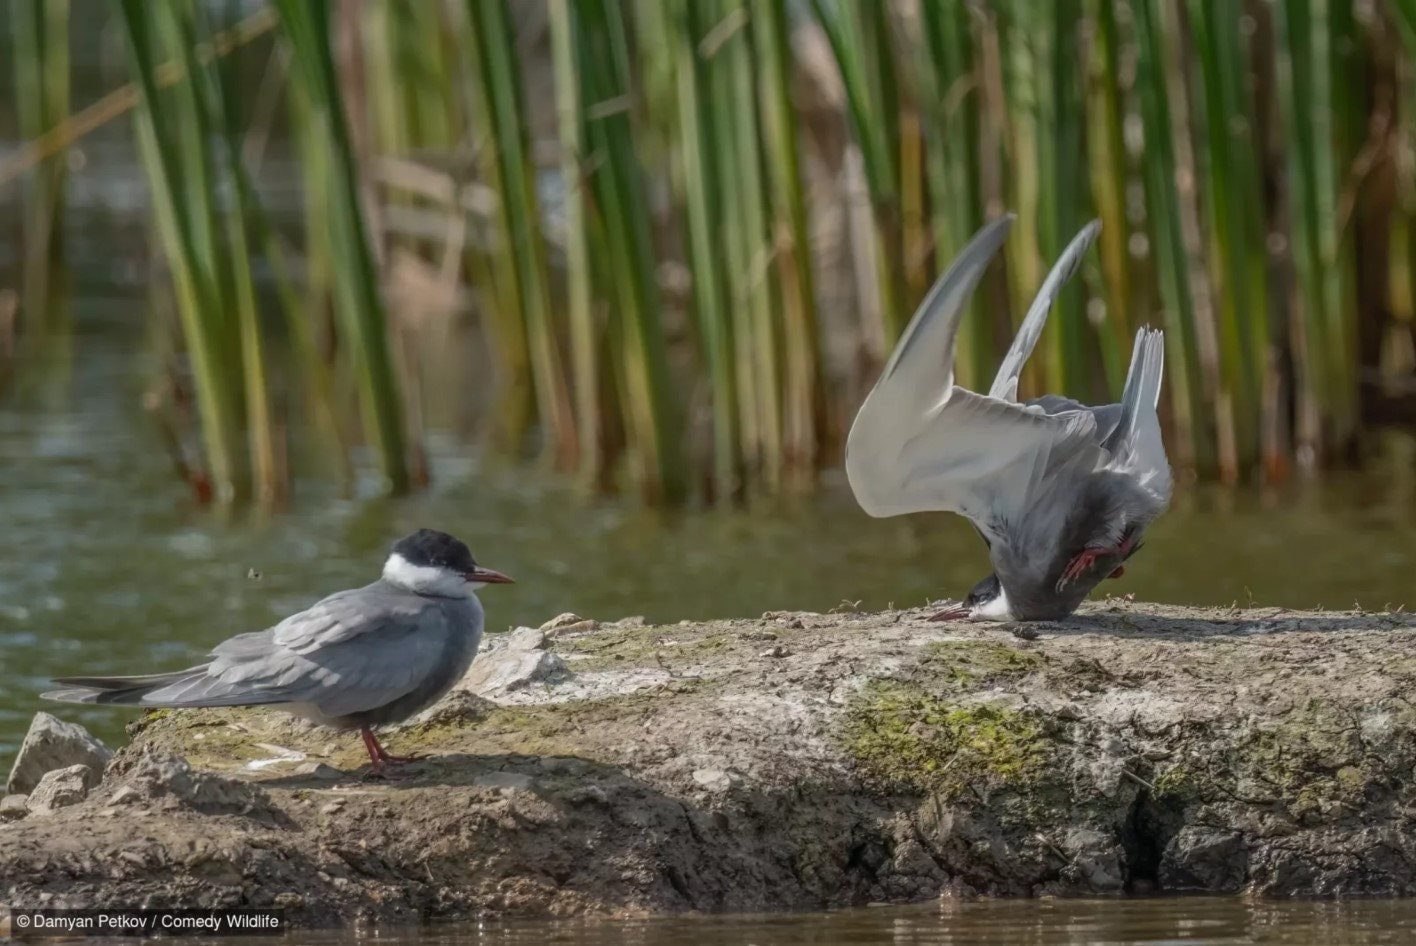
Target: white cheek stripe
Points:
(996, 610)
(424, 578)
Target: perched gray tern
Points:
(1061, 492)
(355, 660)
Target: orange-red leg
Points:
(379, 759)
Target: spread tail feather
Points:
(1142, 391)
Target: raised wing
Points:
(922, 365)
(1005, 383)
(921, 443)
(975, 455)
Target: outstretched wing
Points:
(921, 443)
(1005, 383)
(922, 365)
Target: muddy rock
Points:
(880, 757)
(61, 788)
(526, 638)
(1201, 858)
(569, 623)
(14, 807)
(53, 744)
(513, 662)
(167, 781)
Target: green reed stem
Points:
(585, 344)
(497, 85)
(306, 27)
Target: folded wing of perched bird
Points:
(1061, 492)
(355, 660)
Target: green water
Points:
(109, 567)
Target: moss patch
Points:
(1310, 758)
(1179, 783)
(225, 739)
(968, 664)
(901, 735)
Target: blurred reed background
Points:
(690, 230)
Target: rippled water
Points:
(1197, 921)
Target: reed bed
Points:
(693, 246)
(39, 52)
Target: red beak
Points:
(489, 576)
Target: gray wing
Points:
(921, 443)
(353, 651)
(1005, 383)
(922, 365)
(1107, 415)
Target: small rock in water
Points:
(61, 788)
(637, 620)
(13, 807)
(53, 744)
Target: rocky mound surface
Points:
(792, 762)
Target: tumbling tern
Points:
(358, 659)
(1061, 492)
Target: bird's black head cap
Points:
(984, 592)
(436, 549)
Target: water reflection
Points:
(1201, 921)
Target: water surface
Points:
(1197, 921)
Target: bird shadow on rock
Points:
(1241, 625)
(460, 769)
